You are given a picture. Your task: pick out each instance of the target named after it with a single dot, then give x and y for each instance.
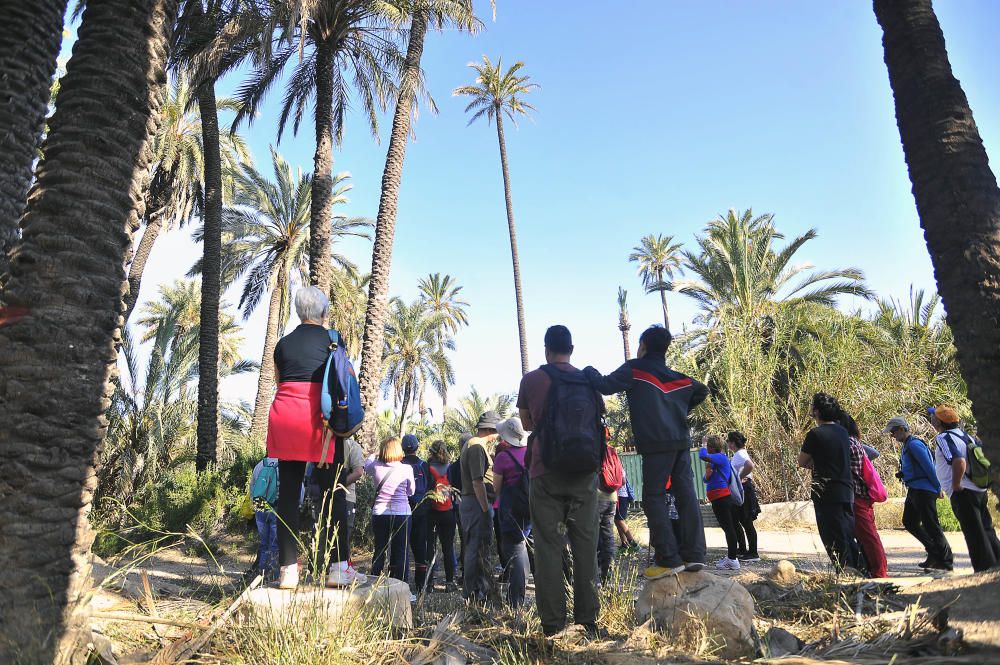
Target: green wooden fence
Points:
(633, 470)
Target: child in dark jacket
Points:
(717, 473)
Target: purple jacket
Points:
(504, 467)
(398, 486)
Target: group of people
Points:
(520, 490)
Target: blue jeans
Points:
(267, 529)
(392, 533)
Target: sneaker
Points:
(413, 597)
(728, 564)
(694, 567)
(341, 578)
(925, 563)
(450, 587)
(748, 558)
(657, 572)
(936, 565)
(288, 576)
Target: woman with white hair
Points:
(510, 476)
(295, 436)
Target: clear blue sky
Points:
(653, 118)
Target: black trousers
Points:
(671, 550)
(290, 475)
(723, 509)
(419, 536)
(392, 533)
(441, 529)
(743, 519)
(973, 513)
(920, 519)
(835, 522)
(606, 544)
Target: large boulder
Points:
(386, 598)
(696, 603)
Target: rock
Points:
(779, 642)
(765, 591)
(692, 603)
(783, 573)
(388, 598)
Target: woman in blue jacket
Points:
(718, 470)
(920, 516)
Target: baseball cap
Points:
(946, 414)
(897, 421)
(410, 443)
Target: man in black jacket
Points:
(659, 400)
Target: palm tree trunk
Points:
(385, 229)
(67, 275)
(30, 35)
(320, 267)
(406, 405)
(211, 285)
(518, 295)
(265, 381)
(138, 265)
(625, 344)
(663, 301)
(957, 197)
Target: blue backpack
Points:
(264, 488)
(341, 401)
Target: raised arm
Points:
(618, 381)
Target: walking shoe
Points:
(748, 558)
(450, 587)
(657, 572)
(694, 566)
(340, 578)
(726, 563)
(937, 565)
(288, 576)
(413, 597)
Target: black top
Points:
(830, 448)
(300, 356)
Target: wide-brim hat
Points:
(512, 432)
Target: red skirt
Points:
(295, 424)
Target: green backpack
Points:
(977, 466)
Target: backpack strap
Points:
(514, 460)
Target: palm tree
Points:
(742, 275)
(30, 36)
(412, 355)
(441, 295)
(176, 189)
(495, 94)
(331, 42)
(267, 232)
(956, 195)
(623, 323)
(66, 282)
(423, 12)
(658, 257)
(348, 302)
(466, 415)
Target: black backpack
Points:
(455, 475)
(516, 496)
(572, 428)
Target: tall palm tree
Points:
(496, 94)
(739, 272)
(267, 232)
(412, 355)
(326, 44)
(658, 257)
(348, 302)
(441, 295)
(624, 325)
(423, 12)
(66, 282)
(176, 190)
(956, 195)
(466, 415)
(30, 36)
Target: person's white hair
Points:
(311, 304)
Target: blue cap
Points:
(410, 443)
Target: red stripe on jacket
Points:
(667, 387)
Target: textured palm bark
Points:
(211, 286)
(370, 377)
(138, 265)
(663, 301)
(320, 267)
(265, 381)
(625, 344)
(522, 333)
(67, 277)
(956, 195)
(30, 35)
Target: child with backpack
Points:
(625, 498)
(718, 474)
(264, 493)
(511, 477)
(610, 480)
